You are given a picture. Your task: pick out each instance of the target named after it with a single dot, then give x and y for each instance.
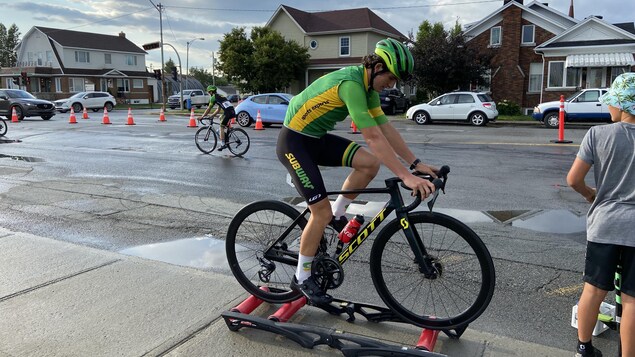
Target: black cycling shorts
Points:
(227, 115)
(600, 263)
(301, 155)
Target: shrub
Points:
(506, 107)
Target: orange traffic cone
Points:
(259, 122)
(106, 119)
(192, 123)
(130, 119)
(85, 114)
(72, 119)
(162, 115)
(14, 116)
(233, 121)
(354, 128)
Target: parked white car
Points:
(478, 108)
(197, 97)
(89, 100)
(581, 106)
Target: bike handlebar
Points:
(439, 185)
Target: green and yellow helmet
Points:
(211, 88)
(397, 57)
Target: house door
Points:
(595, 77)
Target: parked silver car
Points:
(478, 108)
(89, 100)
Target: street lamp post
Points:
(187, 58)
(181, 68)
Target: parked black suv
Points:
(25, 105)
(392, 100)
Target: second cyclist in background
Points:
(228, 112)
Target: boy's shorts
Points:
(601, 261)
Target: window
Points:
(528, 35)
(76, 85)
(345, 46)
(559, 77)
(616, 71)
(82, 57)
(260, 100)
(465, 98)
(137, 83)
(589, 96)
(574, 77)
(58, 84)
(107, 58)
(49, 58)
(495, 36)
(448, 99)
(123, 85)
(131, 60)
(535, 77)
(313, 44)
(274, 99)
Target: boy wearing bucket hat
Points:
(610, 150)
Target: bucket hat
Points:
(621, 95)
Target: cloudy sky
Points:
(185, 20)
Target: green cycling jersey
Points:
(330, 99)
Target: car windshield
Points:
(19, 94)
(570, 98)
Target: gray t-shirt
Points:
(611, 151)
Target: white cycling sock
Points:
(303, 270)
(339, 207)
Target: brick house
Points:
(60, 63)
(541, 53)
(335, 39)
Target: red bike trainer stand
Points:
(287, 310)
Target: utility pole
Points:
(163, 89)
(213, 69)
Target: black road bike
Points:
(3, 127)
(428, 268)
(206, 138)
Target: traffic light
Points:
(16, 81)
(157, 74)
(24, 78)
(175, 74)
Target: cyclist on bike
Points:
(224, 105)
(304, 143)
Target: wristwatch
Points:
(414, 164)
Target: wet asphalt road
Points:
(123, 187)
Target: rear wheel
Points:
(243, 119)
(108, 106)
(3, 127)
(205, 139)
(478, 119)
(253, 257)
(238, 141)
(462, 284)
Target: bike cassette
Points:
(327, 272)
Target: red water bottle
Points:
(351, 228)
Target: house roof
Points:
(349, 20)
(591, 32)
(87, 40)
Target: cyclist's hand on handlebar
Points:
(419, 186)
(427, 169)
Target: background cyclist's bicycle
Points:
(428, 268)
(3, 127)
(206, 138)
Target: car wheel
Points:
(243, 119)
(552, 120)
(421, 117)
(46, 117)
(18, 111)
(478, 119)
(108, 106)
(77, 107)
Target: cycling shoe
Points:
(312, 291)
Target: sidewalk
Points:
(62, 299)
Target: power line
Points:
(372, 8)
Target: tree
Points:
(167, 67)
(206, 78)
(9, 39)
(265, 62)
(443, 62)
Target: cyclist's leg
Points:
(599, 272)
(627, 324)
(224, 119)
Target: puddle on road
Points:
(21, 158)
(202, 252)
(552, 221)
(9, 141)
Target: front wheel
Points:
(552, 120)
(258, 255)
(3, 127)
(205, 139)
(421, 118)
(237, 141)
(463, 282)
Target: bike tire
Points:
(252, 231)
(238, 141)
(456, 297)
(3, 127)
(205, 139)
